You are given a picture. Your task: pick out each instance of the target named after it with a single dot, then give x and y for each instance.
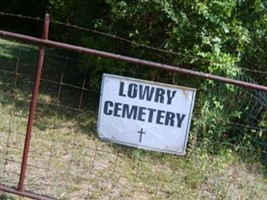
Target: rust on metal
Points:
(34, 100)
(44, 42)
(131, 60)
(25, 193)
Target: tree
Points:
(216, 37)
(23, 7)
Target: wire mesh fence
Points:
(68, 161)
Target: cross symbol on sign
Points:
(141, 134)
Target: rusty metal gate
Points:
(77, 156)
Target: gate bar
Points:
(34, 100)
(25, 193)
(131, 60)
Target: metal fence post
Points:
(34, 100)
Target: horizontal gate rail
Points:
(43, 43)
(128, 59)
(24, 193)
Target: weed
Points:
(68, 161)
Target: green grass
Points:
(6, 196)
(68, 161)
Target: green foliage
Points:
(254, 18)
(23, 7)
(210, 36)
(156, 175)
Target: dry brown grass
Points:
(68, 161)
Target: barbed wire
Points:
(253, 70)
(121, 38)
(126, 40)
(114, 37)
(21, 16)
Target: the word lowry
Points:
(145, 92)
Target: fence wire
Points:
(68, 161)
(67, 27)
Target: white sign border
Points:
(181, 153)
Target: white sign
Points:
(145, 114)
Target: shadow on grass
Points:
(55, 99)
(59, 103)
(6, 197)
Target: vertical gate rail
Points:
(34, 99)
